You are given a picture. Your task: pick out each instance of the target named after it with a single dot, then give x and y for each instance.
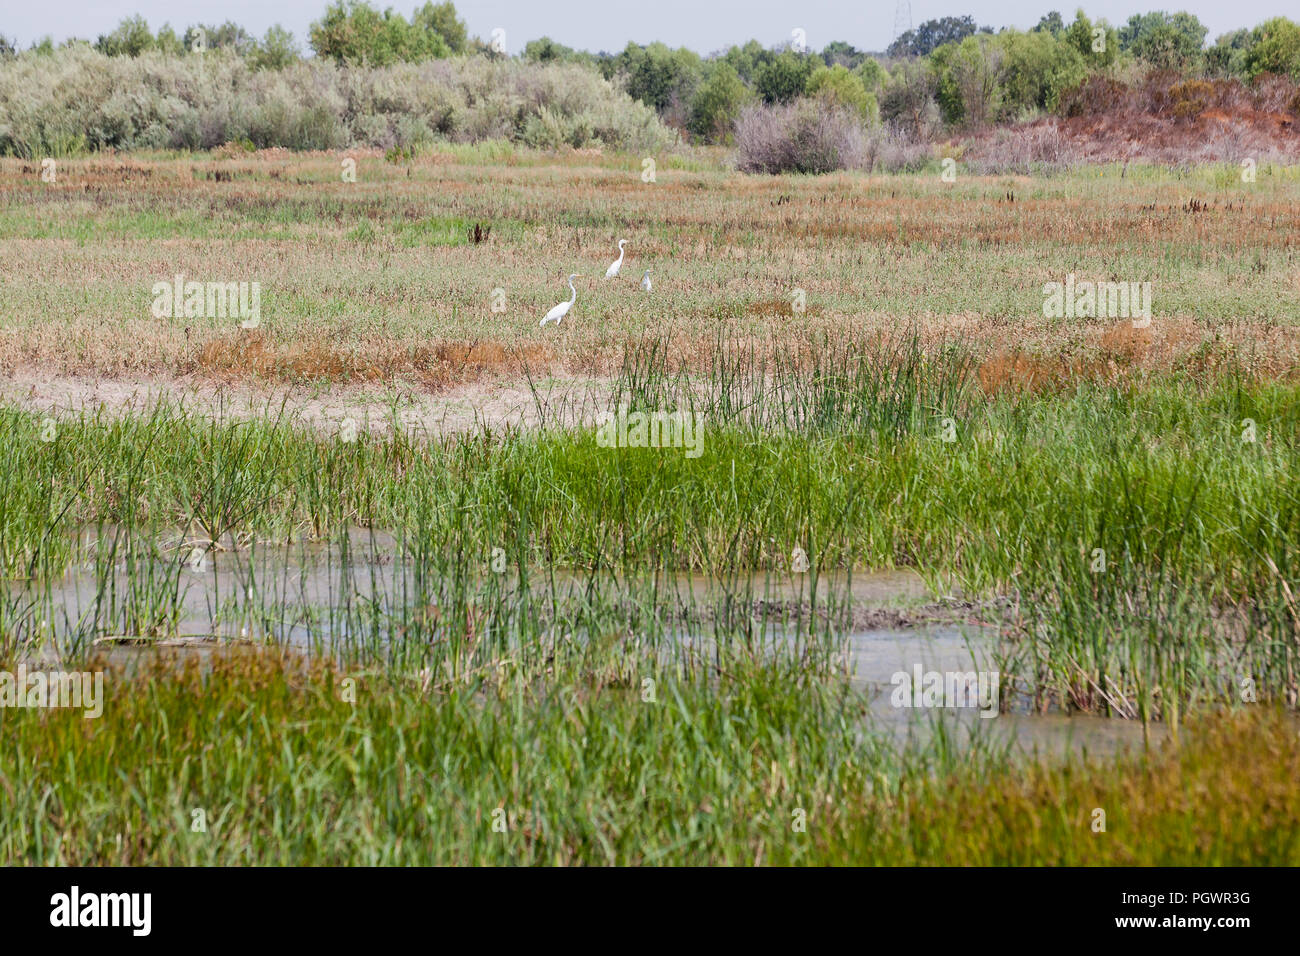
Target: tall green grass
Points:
(257, 760)
(864, 457)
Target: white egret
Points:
(561, 310)
(612, 271)
(645, 281)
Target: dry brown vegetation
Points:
(239, 356)
(381, 282)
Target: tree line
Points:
(949, 71)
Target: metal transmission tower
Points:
(902, 19)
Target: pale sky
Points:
(702, 25)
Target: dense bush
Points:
(1096, 94)
(807, 136)
(77, 98)
(907, 99)
(1023, 149)
(892, 149)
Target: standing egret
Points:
(561, 310)
(645, 281)
(612, 271)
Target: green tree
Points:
(784, 78)
(747, 60)
(872, 74)
(971, 74)
(842, 87)
(168, 42)
(1138, 25)
(131, 38)
(1228, 55)
(442, 20)
(1274, 48)
(659, 76)
(353, 31)
(1039, 67)
(1165, 40)
(229, 36)
(276, 50)
(1050, 23)
(1098, 49)
(932, 34)
(718, 102)
(839, 53)
(547, 50)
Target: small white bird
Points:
(561, 310)
(645, 281)
(618, 263)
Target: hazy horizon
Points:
(597, 25)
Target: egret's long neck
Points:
(573, 298)
(621, 250)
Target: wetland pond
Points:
(901, 648)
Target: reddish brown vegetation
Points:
(1166, 94)
(435, 366)
(1124, 353)
(1164, 119)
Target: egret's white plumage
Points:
(618, 263)
(645, 281)
(561, 310)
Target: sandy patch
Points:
(496, 406)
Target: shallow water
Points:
(228, 594)
(879, 657)
(292, 597)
